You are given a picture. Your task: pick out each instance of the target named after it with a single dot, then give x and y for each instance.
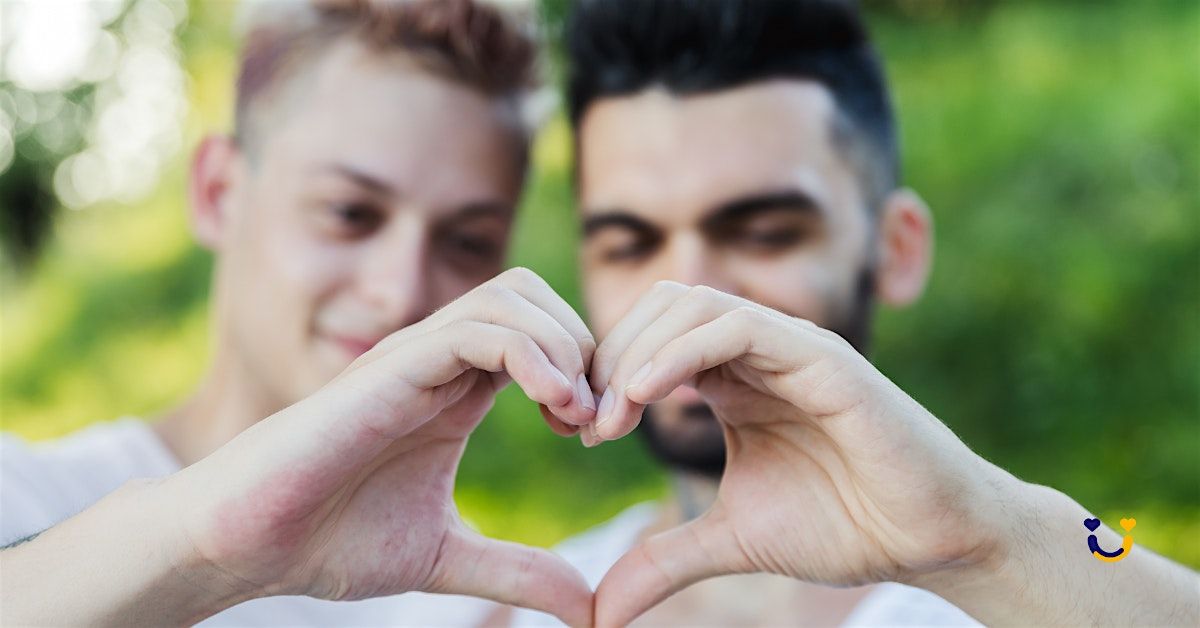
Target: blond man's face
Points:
(378, 194)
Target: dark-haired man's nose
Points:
(394, 279)
(694, 262)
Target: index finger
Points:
(530, 285)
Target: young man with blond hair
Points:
(379, 153)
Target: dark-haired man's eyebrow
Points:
(746, 207)
(596, 221)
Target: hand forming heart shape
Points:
(832, 472)
(348, 494)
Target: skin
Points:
(346, 492)
(377, 195)
(368, 199)
(833, 475)
(690, 174)
(699, 175)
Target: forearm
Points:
(120, 562)
(1044, 574)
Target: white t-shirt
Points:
(42, 484)
(889, 604)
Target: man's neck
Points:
(226, 404)
(694, 493)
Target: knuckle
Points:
(512, 337)
(516, 344)
(566, 344)
(524, 343)
(520, 276)
(803, 322)
(488, 292)
(603, 356)
(457, 334)
(748, 312)
(700, 293)
(460, 327)
(664, 287)
(499, 300)
(699, 299)
(746, 316)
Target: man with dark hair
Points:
(737, 177)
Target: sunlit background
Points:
(1058, 144)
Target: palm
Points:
(860, 514)
(386, 531)
(332, 528)
(833, 474)
(349, 492)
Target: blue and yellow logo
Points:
(1126, 543)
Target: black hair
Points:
(620, 47)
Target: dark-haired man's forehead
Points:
(664, 150)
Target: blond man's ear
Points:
(210, 181)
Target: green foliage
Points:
(1058, 145)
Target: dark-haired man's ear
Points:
(210, 181)
(906, 248)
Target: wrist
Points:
(981, 545)
(199, 586)
(165, 580)
(994, 584)
(1043, 573)
(121, 561)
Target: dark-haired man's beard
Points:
(688, 437)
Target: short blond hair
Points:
(468, 41)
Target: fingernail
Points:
(586, 437)
(604, 412)
(638, 376)
(562, 379)
(584, 390)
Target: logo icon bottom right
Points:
(1114, 556)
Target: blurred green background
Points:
(1058, 144)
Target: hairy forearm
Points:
(1045, 575)
(120, 562)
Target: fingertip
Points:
(519, 575)
(565, 390)
(587, 398)
(640, 393)
(556, 425)
(622, 420)
(576, 411)
(569, 598)
(623, 595)
(587, 436)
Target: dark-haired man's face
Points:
(743, 190)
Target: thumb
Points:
(662, 565)
(511, 573)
